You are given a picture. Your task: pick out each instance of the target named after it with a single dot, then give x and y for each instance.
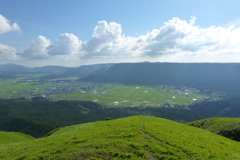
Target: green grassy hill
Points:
(136, 137)
(12, 137)
(228, 127)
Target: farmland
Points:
(126, 96)
(107, 94)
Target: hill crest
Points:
(136, 137)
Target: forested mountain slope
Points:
(40, 116)
(219, 76)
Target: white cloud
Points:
(177, 41)
(66, 44)
(178, 37)
(37, 49)
(7, 52)
(104, 35)
(5, 25)
(233, 23)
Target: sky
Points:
(80, 32)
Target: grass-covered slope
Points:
(137, 137)
(38, 117)
(228, 127)
(12, 137)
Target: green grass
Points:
(65, 79)
(137, 137)
(228, 127)
(13, 137)
(12, 96)
(132, 96)
(38, 92)
(31, 76)
(6, 95)
(7, 86)
(22, 83)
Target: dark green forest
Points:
(39, 116)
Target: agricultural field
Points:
(106, 94)
(22, 83)
(133, 96)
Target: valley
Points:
(106, 94)
(120, 111)
(119, 80)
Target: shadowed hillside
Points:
(40, 116)
(227, 127)
(219, 76)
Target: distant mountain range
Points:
(13, 68)
(217, 76)
(81, 71)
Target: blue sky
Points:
(77, 32)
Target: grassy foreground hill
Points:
(136, 137)
(11, 137)
(227, 127)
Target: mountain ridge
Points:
(218, 76)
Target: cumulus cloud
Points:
(170, 38)
(66, 44)
(38, 49)
(181, 37)
(7, 52)
(104, 35)
(175, 38)
(177, 41)
(5, 25)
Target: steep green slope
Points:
(39, 117)
(228, 127)
(11, 137)
(137, 137)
